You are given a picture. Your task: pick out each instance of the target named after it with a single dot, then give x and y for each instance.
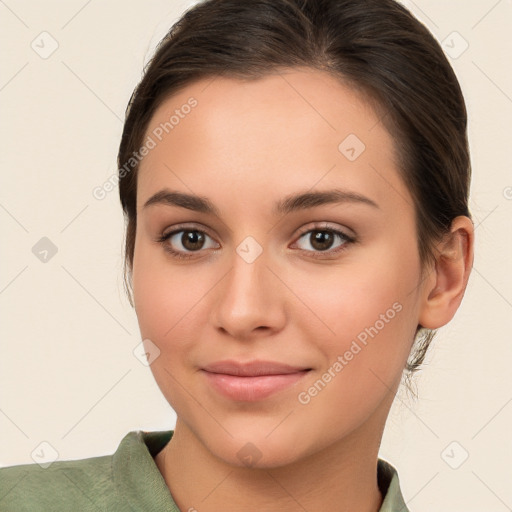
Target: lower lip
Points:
(251, 389)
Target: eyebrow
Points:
(291, 203)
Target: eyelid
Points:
(324, 225)
(186, 227)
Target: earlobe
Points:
(453, 262)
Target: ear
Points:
(445, 286)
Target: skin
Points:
(246, 146)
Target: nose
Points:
(250, 300)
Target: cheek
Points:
(165, 294)
(365, 340)
(368, 317)
(168, 300)
(346, 299)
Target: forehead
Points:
(285, 130)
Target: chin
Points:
(247, 454)
(253, 447)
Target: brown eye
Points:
(192, 240)
(323, 240)
(187, 241)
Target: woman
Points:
(295, 179)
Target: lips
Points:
(253, 380)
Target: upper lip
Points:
(252, 368)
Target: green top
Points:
(128, 480)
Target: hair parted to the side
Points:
(375, 46)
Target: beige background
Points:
(68, 375)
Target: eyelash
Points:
(348, 240)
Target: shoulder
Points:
(85, 484)
(58, 487)
(118, 482)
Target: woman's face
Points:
(296, 245)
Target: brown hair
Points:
(376, 46)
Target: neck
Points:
(342, 477)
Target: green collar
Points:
(139, 481)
